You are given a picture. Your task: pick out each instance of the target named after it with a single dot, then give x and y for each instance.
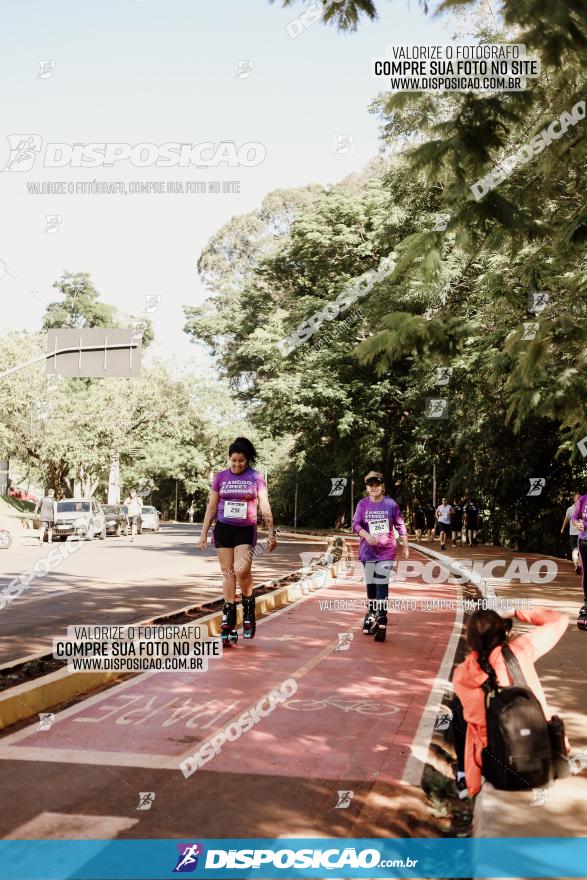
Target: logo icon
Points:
(152, 303)
(187, 860)
(436, 408)
(440, 222)
(530, 329)
(582, 446)
(538, 301)
(537, 484)
(344, 799)
(244, 69)
(23, 151)
(46, 720)
(344, 641)
(52, 223)
(442, 721)
(443, 375)
(539, 796)
(343, 144)
(46, 69)
(338, 486)
(146, 799)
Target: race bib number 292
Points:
(380, 527)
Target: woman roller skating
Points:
(235, 494)
(374, 519)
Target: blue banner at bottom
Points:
(522, 857)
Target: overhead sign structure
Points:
(94, 352)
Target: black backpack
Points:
(519, 754)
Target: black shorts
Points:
(442, 527)
(133, 519)
(228, 535)
(574, 542)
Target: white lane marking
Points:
(65, 826)
(414, 768)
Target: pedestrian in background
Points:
(46, 508)
(573, 533)
(134, 506)
(430, 515)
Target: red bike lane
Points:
(359, 722)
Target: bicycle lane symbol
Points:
(363, 707)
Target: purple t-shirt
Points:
(580, 515)
(238, 496)
(378, 518)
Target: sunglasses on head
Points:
(374, 481)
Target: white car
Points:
(150, 518)
(79, 517)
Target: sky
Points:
(160, 71)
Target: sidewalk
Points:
(561, 810)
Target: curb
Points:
(32, 697)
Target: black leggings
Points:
(583, 555)
(377, 576)
(459, 731)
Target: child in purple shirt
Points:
(373, 521)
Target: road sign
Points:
(94, 352)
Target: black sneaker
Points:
(443, 546)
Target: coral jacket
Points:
(469, 677)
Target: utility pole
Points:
(296, 504)
(434, 485)
(352, 494)
(176, 501)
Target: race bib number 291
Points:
(235, 509)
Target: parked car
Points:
(116, 520)
(150, 518)
(80, 517)
(124, 508)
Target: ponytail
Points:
(486, 630)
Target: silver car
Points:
(150, 518)
(82, 518)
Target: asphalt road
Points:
(118, 581)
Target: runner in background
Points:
(573, 533)
(430, 514)
(419, 520)
(374, 519)
(457, 522)
(580, 522)
(46, 508)
(235, 495)
(444, 513)
(471, 513)
(134, 505)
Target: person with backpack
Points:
(485, 670)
